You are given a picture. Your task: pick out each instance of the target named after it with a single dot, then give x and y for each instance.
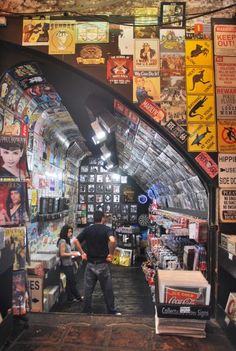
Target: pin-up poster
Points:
(35, 32)
(172, 40)
(225, 71)
(120, 69)
(198, 53)
(226, 102)
(200, 108)
(13, 200)
(62, 37)
(227, 136)
(146, 88)
(92, 32)
(202, 137)
(146, 55)
(225, 39)
(13, 157)
(200, 80)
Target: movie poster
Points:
(35, 32)
(13, 160)
(13, 200)
(19, 293)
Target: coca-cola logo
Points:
(187, 301)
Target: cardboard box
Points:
(48, 260)
(230, 308)
(52, 294)
(36, 268)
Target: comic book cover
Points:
(119, 69)
(146, 55)
(35, 31)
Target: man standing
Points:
(101, 244)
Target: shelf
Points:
(227, 324)
(227, 261)
(52, 216)
(187, 213)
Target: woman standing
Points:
(66, 254)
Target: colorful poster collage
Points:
(225, 70)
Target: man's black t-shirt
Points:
(96, 237)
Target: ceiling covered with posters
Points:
(149, 124)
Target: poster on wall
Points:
(92, 32)
(227, 205)
(172, 14)
(146, 55)
(198, 53)
(227, 136)
(35, 31)
(19, 293)
(172, 40)
(13, 200)
(172, 64)
(227, 170)
(225, 39)
(120, 69)
(62, 37)
(126, 37)
(225, 71)
(13, 157)
(146, 88)
(226, 102)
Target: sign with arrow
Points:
(227, 170)
(35, 284)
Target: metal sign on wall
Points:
(227, 205)
(227, 170)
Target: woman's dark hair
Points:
(63, 233)
(9, 203)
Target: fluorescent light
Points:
(105, 153)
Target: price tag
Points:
(231, 256)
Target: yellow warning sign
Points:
(200, 80)
(198, 53)
(202, 137)
(227, 136)
(201, 108)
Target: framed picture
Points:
(133, 208)
(91, 188)
(172, 14)
(90, 207)
(91, 198)
(82, 188)
(124, 208)
(94, 169)
(108, 178)
(84, 169)
(108, 188)
(82, 198)
(91, 178)
(99, 178)
(108, 208)
(99, 207)
(116, 189)
(83, 178)
(99, 188)
(90, 218)
(108, 197)
(116, 198)
(99, 198)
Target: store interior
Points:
(160, 202)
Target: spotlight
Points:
(100, 135)
(105, 153)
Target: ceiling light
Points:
(107, 120)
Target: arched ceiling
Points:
(141, 149)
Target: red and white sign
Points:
(152, 110)
(207, 163)
(225, 39)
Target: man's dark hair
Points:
(98, 216)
